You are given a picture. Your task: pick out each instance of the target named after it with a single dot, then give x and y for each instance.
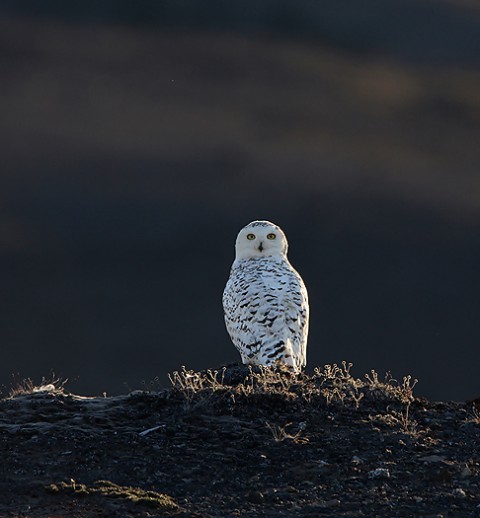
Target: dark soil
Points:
(240, 443)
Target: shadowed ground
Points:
(240, 442)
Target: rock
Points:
(379, 473)
(458, 492)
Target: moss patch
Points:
(159, 501)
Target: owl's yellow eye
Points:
(271, 236)
(250, 237)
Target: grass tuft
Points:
(51, 385)
(106, 488)
(277, 386)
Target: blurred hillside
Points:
(139, 138)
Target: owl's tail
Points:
(280, 352)
(290, 357)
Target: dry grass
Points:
(331, 385)
(280, 433)
(387, 401)
(52, 384)
(106, 488)
(474, 417)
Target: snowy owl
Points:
(265, 300)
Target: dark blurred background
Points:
(137, 138)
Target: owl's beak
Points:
(260, 246)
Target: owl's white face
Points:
(261, 239)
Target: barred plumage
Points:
(265, 301)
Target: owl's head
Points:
(261, 239)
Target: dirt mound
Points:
(240, 442)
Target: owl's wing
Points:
(293, 317)
(241, 302)
(299, 318)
